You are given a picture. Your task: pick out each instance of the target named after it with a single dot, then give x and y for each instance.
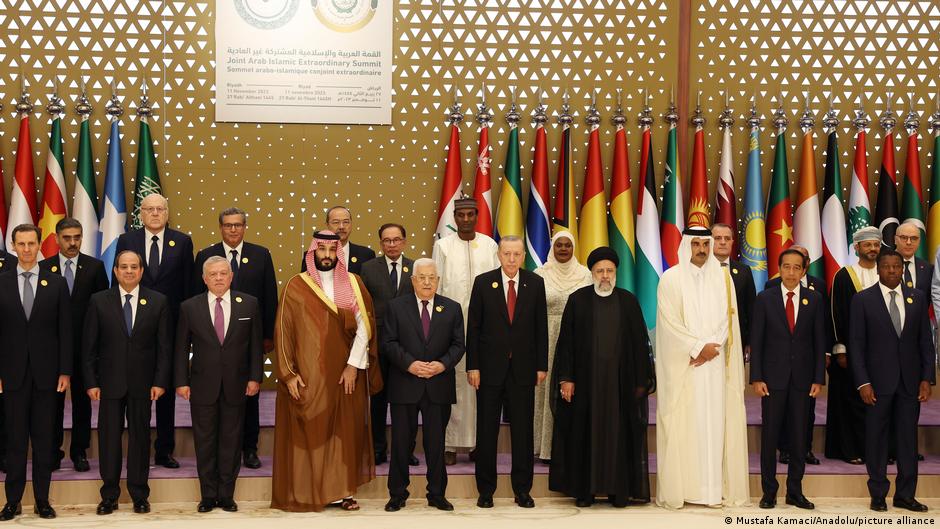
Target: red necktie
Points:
(511, 299)
(791, 312)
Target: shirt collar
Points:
(227, 297)
(34, 269)
(228, 249)
(63, 259)
(148, 236)
(134, 292)
(389, 261)
(796, 290)
(430, 301)
(885, 289)
(507, 278)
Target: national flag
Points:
(85, 199)
(593, 219)
(53, 191)
(509, 210)
(538, 237)
(912, 199)
(699, 214)
(754, 249)
(933, 214)
(148, 176)
(114, 208)
(859, 203)
(450, 190)
(806, 229)
(23, 194)
(779, 207)
(620, 224)
(835, 242)
(726, 204)
(886, 209)
(564, 215)
(649, 256)
(482, 187)
(673, 216)
(3, 208)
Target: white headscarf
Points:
(705, 299)
(567, 276)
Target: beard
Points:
(325, 268)
(603, 286)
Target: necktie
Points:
(895, 312)
(69, 274)
(234, 263)
(219, 320)
(28, 294)
(425, 319)
(511, 299)
(128, 313)
(908, 279)
(791, 311)
(153, 264)
(394, 277)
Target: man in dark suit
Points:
(741, 276)
(126, 352)
(893, 366)
(788, 367)
(386, 278)
(7, 261)
(85, 276)
(168, 269)
(35, 365)
(507, 355)
(226, 368)
(339, 221)
(423, 340)
(253, 274)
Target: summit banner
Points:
(304, 61)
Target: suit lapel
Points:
(435, 317)
(405, 276)
(804, 308)
(14, 278)
(415, 316)
(502, 298)
(234, 313)
(780, 307)
(907, 294)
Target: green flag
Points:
(148, 178)
(85, 200)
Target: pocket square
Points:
(244, 319)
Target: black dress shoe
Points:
(440, 503)
(525, 501)
(166, 461)
(10, 511)
(413, 461)
(228, 505)
(141, 506)
(380, 458)
(250, 460)
(584, 502)
(3, 465)
(768, 502)
(878, 505)
(485, 502)
(891, 460)
(910, 504)
(799, 501)
(811, 458)
(920, 457)
(80, 462)
(206, 506)
(44, 510)
(785, 457)
(106, 507)
(395, 504)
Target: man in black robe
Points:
(601, 379)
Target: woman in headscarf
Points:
(563, 274)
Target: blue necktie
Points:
(69, 275)
(128, 313)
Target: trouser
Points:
(788, 406)
(904, 408)
(111, 415)
(217, 433)
(434, 417)
(81, 421)
(30, 418)
(520, 404)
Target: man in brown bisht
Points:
(325, 340)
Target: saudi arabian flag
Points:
(148, 178)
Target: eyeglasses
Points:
(154, 209)
(909, 238)
(425, 278)
(233, 225)
(396, 241)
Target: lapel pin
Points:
(805, 301)
(439, 308)
(1, 264)
(354, 259)
(734, 270)
(55, 268)
(910, 300)
(43, 282)
(143, 301)
(238, 299)
(495, 284)
(404, 269)
(244, 260)
(910, 284)
(811, 287)
(172, 243)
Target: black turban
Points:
(601, 254)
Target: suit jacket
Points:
(255, 277)
(358, 255)
(43, 344)
(218, 370)
(784, 359)
(375, 276)
(403, 343)
(90, 277)
(491, 339)
(879, 356)
(127, 365)
(745, 292)
(7, 261)
(176, 264)
(923, 272)
(819, 286)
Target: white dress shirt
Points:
(796, 300)
(358, 353)
(506, 285)
(421, 306)
(398, 265)
(228, 252)
(226, 309)
(63, 259)
(148, 242)
(135, 298)
(33, 280)
(898, 299)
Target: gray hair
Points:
(510, 238)
(215, 259)
(166, 203)
(233, 211)
(424, 261)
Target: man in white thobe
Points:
(701, 430)
(460, 257)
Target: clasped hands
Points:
(709, 353)
(426, 369)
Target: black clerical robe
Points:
(599, 439)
